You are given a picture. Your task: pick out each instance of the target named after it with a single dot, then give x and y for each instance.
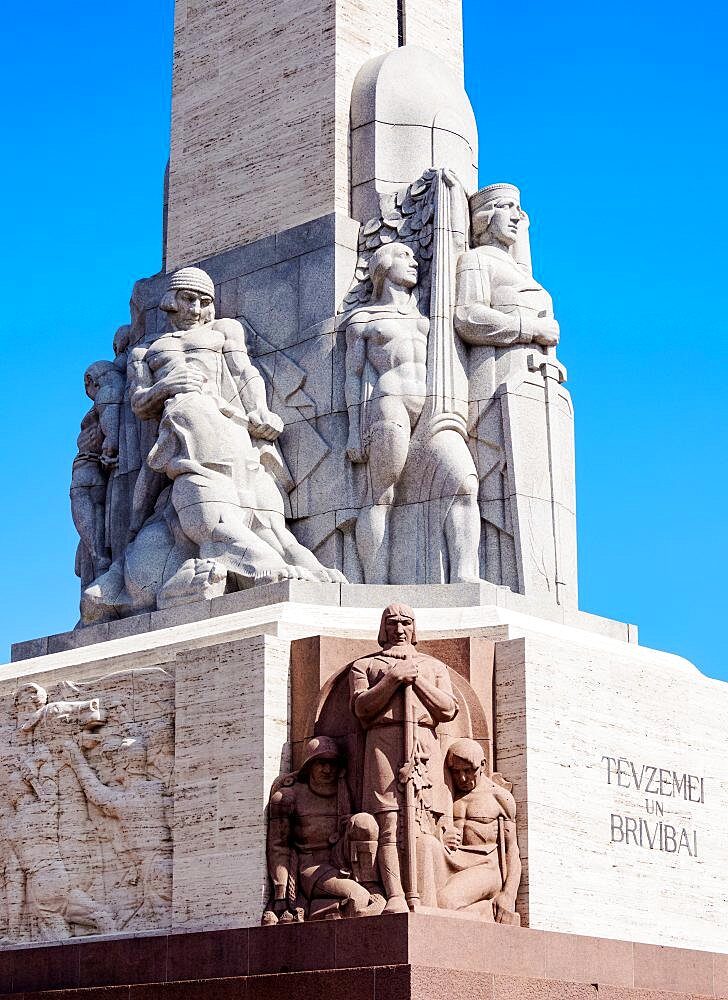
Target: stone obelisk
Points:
(261, 109)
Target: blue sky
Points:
(611, 119)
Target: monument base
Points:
(616, 752)
(395, 957)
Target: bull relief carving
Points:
(86, 782)
(395, 807)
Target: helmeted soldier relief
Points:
(321, 855)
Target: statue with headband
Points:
(207, 511)
(520, 417)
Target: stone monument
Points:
(341, 394)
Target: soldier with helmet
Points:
(321, 858)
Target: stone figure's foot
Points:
(195, 580)
(269, 919)
(396, 904)
(326, 575)
(103, 600)
(277, 574)
(377, 905)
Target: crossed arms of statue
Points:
(367, 703)
(480, 322)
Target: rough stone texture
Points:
(109, 757)
(399, 957)
(611, 750)
(260, 110)
(87, 786)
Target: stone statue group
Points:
(178, 486)
(425, 824)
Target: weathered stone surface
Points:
(409, 113)
(260, 111)
(87, 784)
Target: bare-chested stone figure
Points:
(386, 392)
(98, 448)
(221, 521)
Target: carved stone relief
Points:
(427, 434)
(86, 779)
(460, 430)
(206, 511)
(405, 813)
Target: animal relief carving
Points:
(85, 780)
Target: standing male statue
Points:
(400, 697)
(521, 421)
(386, 392)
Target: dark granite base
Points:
(402, 957)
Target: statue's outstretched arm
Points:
(94, 790)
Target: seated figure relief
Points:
(322, 857)
(474, 863)
(411, 796)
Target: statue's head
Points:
(321, 765)
(496, 214)
(465, 759)
(394, 262)
(122, 339)
(190, 299)
(397, 627)
(95, 375)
